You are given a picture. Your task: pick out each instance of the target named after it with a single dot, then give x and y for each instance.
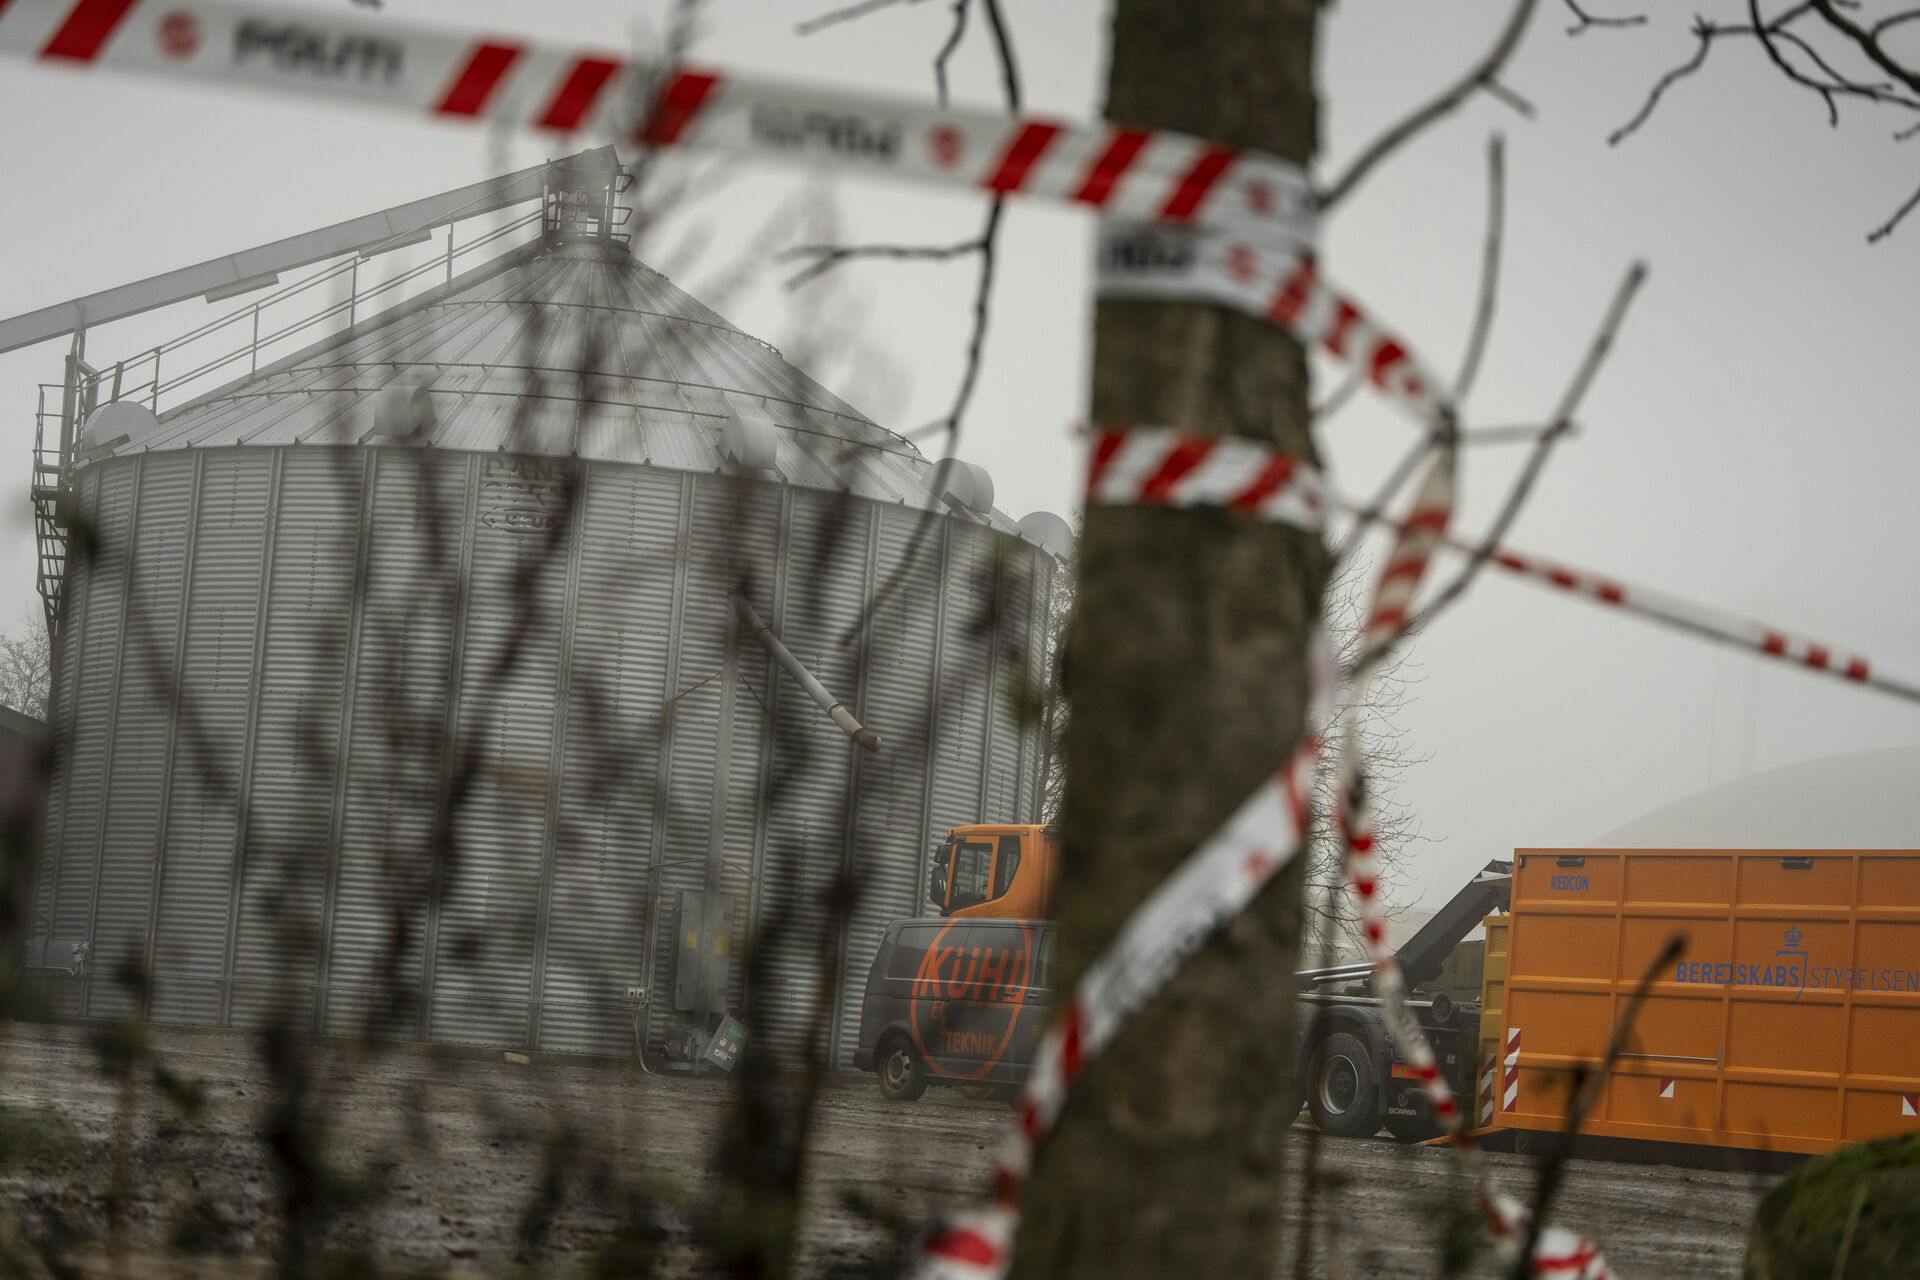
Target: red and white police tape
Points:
(1160, 466)
(1188, 218)
(1687, 615)
(1276, 283)
(1210, 888)
(1557, 1251)
(1144, 174)
(1163, 467)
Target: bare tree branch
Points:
(1706, 33)
(1517, 434)
(1767, 33)
(828, 256)
(26, 666)
(834, 17)
(1003, 45)
(969, 375)
(1588, 20)
(1885, 229)
(1337, 398)
(941, 58)
(1489, 270)
(976, 343)
(1501, 93)
(1479, 76)
(1869, 41)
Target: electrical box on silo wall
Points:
(705, 951)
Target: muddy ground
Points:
(451, 1151)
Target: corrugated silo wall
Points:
(490, 799)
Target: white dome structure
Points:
(1856, 800)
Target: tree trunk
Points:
(1187, 674)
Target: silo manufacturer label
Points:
(523, 495)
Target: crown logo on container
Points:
(1793, 936)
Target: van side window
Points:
(1005, 865)
(912, 944)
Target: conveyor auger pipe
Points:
(861, 735)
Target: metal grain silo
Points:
(448, 598)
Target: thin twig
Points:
(1705, 33)
(1525, 433)
(828, 256)
(1375, 511)
(1767, 33)
(1885, 229)
(1869, 41)
(1337, 398)
(976, 344)
(833, 17)
(989, 239)
(1522, 106)
(977, 341)
(1003, 45)
(1588, 20)
(1478, 77)
(1787, 69)
(1602, 343)
(1489, 269)
(946, 51)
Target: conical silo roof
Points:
(563, 348)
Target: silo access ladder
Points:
(51, 487)
(49, 535)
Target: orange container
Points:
(1790, 1021)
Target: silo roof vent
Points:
(403, 411)
(964, 486)
(1049, 532)
(748, 444)
(115, 423)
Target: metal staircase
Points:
(61, 408)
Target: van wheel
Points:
(1341, 1090)
(903, 1077)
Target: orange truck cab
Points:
(1000, 870)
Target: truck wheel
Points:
(1342, 1093)
(903, 1077)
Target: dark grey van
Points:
(958, 1001)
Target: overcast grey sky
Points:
(1751, 442)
